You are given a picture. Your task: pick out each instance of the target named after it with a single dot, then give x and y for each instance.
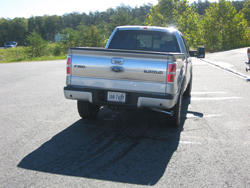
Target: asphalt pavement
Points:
(44, 142)
(231, 60)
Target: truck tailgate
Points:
(122, 70)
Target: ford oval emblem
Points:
(117, 69)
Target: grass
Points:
(21, 54)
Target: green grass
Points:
(20, 54)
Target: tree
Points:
(201, 6)
(190, 25)
(246, 11)
(224, 28)
(36, 45)
(166, 12)
(211, 28)
(37, 24)
(53, 25)
(238, 4)
(95, 39)
(122, 16)
(238, 32)
(20, 30)
(69, 39)
(6, 30)
(72, 20)
(161, 14)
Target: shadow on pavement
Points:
(131, 147)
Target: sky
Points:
(27, 8)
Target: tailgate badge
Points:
(153, 71)
(79, 66)
(117, 69)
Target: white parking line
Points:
(187, 142)
(213, 98)
(213, 92)
(227, 69)
(190, 116)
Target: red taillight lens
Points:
(171, 77)
(68, 65)
(68, 70)
(171, 67)
(68, 61)
(171, 72)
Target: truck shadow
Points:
(129, 147)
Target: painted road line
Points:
(191, 116)
(213, 92)
(187, 142)
(213, 98)
(226, 67)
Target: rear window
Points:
(144, 40)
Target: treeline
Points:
(202, 6)
(217, 26)
(47, 27)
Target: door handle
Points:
(119, 61)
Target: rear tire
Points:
(175, 120)
(87, 110)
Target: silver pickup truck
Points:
(140, 67)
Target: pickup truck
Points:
(140, 67)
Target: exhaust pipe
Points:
(171, 113)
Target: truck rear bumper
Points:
(133, 99)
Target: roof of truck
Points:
(155, 28)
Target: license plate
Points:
(116, 96)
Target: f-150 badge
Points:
(79, 66)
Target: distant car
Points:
(10, 44)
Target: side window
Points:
(185, 44)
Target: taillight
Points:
(68, 65)
(171, 72)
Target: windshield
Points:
(10, 43)
(144, 40)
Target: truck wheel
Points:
(187, 93)
(175, 120)
(87, 110)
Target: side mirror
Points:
(201, 52)
(193, 53)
